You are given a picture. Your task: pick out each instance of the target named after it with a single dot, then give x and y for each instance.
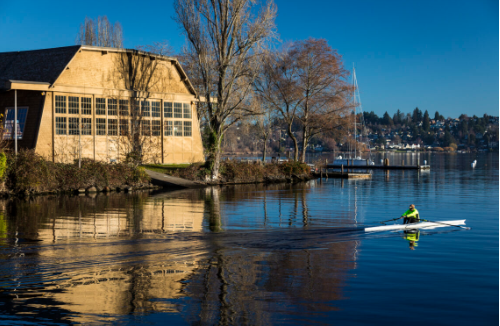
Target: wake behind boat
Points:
(420, 225)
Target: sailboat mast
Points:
(354, 93)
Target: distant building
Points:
(78, 100)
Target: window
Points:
(187, 111)
(177, 110)
(86, 126)
(73, 124)
(155, 109)
(73, 105)
(60, 104)
(168, 128)
(124, 127)
(123, 107)
(100, 106)
(22, 113)
(145, 108)
(112, 106)
(167, 110)
(112, 127)
(178, 128)
(100, 125)
(187, 128)
(60, 125)
(156, 128)
(146, 127)
(86, 105)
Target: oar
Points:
(458, 226)
(383, 222)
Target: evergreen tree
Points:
(448, 139)
(437, 116)
(417, 116)
(386, 120)
(427, 122)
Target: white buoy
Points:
(473, 164)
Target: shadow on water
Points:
(103, 258)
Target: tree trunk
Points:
(304, 147)
(214, 150)
(295, 143)
(264, 151)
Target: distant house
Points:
(77, 100)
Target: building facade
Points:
(100, 103)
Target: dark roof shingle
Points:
(35, 66)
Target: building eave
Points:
(26, 85)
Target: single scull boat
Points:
(420, 225)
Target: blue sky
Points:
(435, 55)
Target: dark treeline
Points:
(421, 128)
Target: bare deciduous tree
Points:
(264, 123)
(322, 84)
(100, 32)
(225, 39)
(306, 83)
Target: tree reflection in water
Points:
(106, 258)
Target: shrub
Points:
(293, 167)
(3, 164)
(29, 171)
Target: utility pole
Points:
(15, 121)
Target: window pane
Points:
(60, 125)
(86, 126)
(100, 127)
(168, 128)
(167, 110)
(177, 110)
(112, 106)
(60, 104)
(22, 113)
(124, 107)
(155, 109)
(187, 128)
(112, 127)
(124, 127)
(156, 128)
(100, 106)
(86, 105)
(73, 124)
(187, 111)
(177, 128)
(145, 108)
(146, 128)
(73, 105)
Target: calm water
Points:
(260, 255)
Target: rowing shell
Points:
(421, 225)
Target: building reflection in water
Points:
(105, 258)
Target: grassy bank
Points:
(29, 173)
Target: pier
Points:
(342, 175)
(379, 167)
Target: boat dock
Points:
(342, 175)
(379, 167)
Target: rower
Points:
(411, 215)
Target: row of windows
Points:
(73, 104)
(115, 127)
